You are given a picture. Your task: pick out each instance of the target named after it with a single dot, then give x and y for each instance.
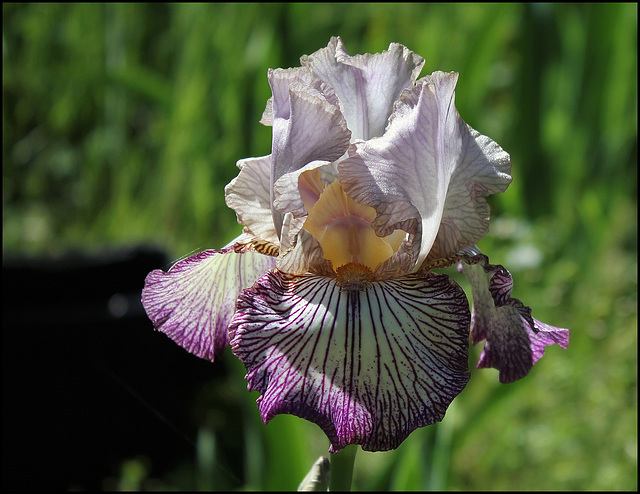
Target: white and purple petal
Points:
(367, 85)
(405, 174)
(484, 169)
(429, 168)
(194, 301)
(514, 340)
(296, 191)
(368, 366)
(306, 127)
(281, 80)
(301, 252)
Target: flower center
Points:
(353, 276)
(343, 228)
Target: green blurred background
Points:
(123, 122)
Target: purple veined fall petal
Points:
(194, 301)
(249, 196)
(368, 366)
(367, 85)
(514, 340)
(306, 127)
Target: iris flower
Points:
(328, 296)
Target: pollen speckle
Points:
(353, 276)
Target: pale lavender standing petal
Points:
(405, 174)
(300, 76)
(294, 192)
(367, 85)
(368, 366)
(483, 170)
(306, 127)
(194, 301)
(514, 340)
(429, 170)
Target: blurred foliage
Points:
(122, 123)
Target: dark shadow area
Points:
(86, 381)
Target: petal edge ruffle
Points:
(367, 85)
(249, 196)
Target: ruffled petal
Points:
(283, 79)
(306, 127)
(405, 174)
(483, 170)
(194, 301)
(249, 196)
(368, 366)
(431, 170)
(367, 85)
(301, 253)
(514, 340)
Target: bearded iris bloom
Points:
(328, 297)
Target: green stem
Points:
(341, 471)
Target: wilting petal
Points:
(514, 339)
(249, 196)
(546, 335)
(194, 301)
(306, 127)
(367, 85)
(367, 366)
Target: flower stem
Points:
(342, 469)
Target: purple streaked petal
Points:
(546, 335)
(367, 85)
(194, 301)
(249, 196)
(514, 340)
(368, 367)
